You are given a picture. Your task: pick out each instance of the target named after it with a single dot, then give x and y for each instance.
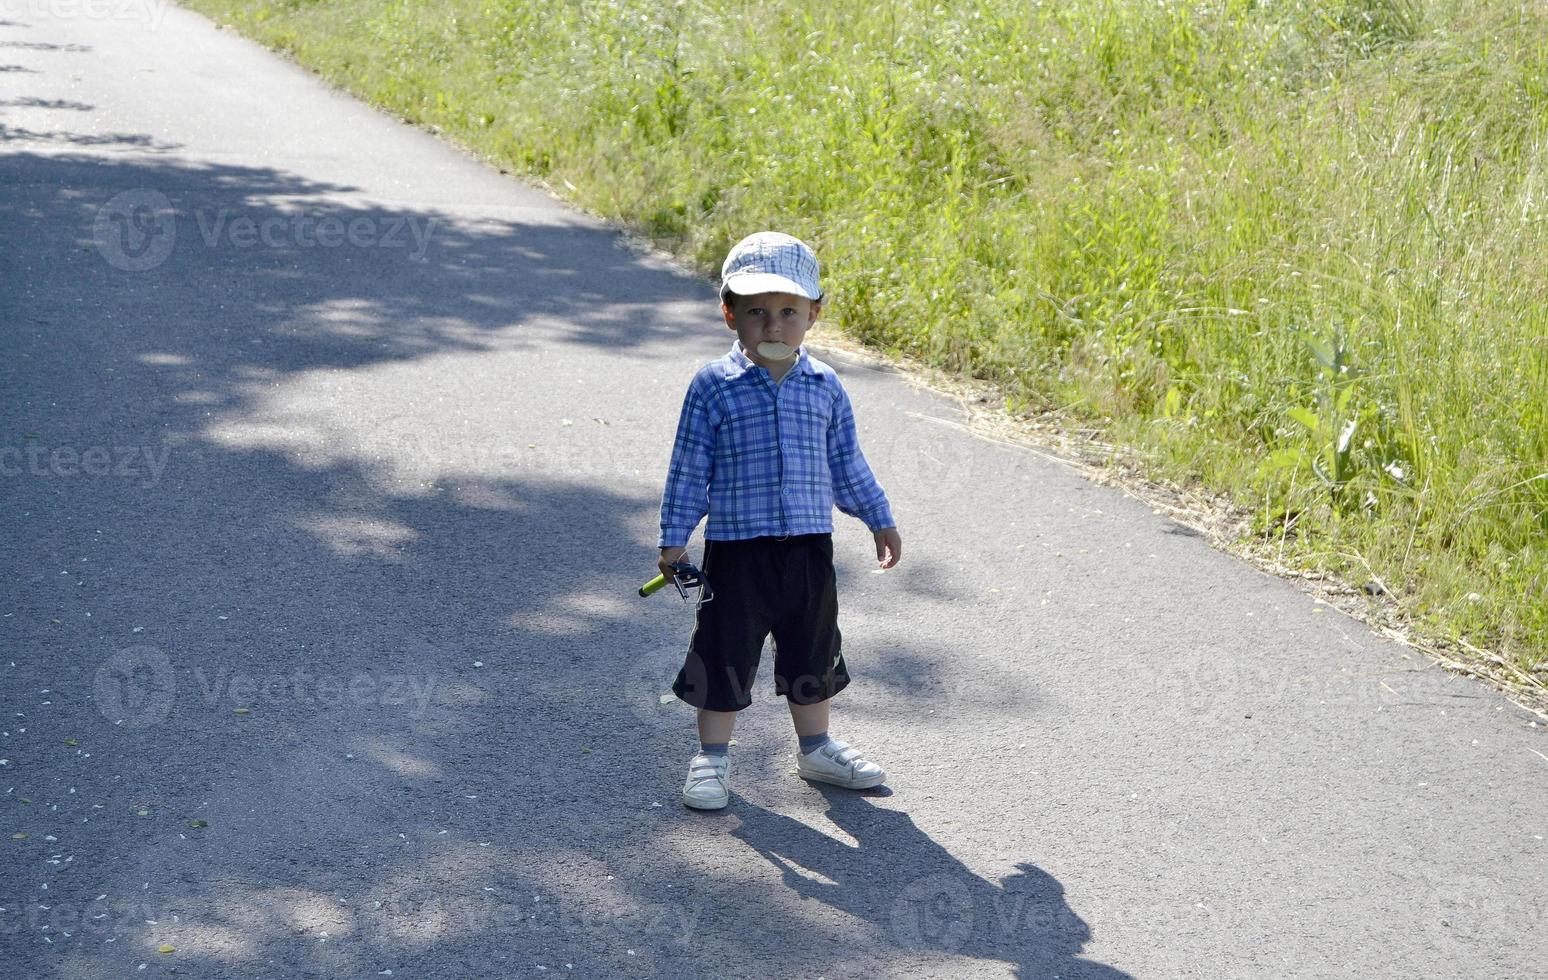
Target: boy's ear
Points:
(729, 314)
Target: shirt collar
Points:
(803, 364)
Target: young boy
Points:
(766, 446)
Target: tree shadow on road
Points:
(325, 582)
(409, 616)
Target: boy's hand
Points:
(889, 546)
(668, 556)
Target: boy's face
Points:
(770, 318)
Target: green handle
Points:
(653, 586)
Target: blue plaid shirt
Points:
(766, 458)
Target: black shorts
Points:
(781, 585)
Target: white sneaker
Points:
(840, 765)
(706, 786)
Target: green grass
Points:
(1297, 252)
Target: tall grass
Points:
(1297, 251)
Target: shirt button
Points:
(786, 491)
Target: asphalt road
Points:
(331, 460)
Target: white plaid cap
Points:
(770, 262)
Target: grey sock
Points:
(714, 748)
(811, 743)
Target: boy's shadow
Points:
(914, 891)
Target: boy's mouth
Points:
(774, 350)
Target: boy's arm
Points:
(686, 498)
(855, 490)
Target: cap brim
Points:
(753, 283)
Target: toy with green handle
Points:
(684, 576)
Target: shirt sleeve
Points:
(855, 490)
(686, 498)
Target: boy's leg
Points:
(810, 669)
(715, 727)
(811, 725)
(706, 787)
(729, 629)
(808, 647)
(809, 719)
(722, 660)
